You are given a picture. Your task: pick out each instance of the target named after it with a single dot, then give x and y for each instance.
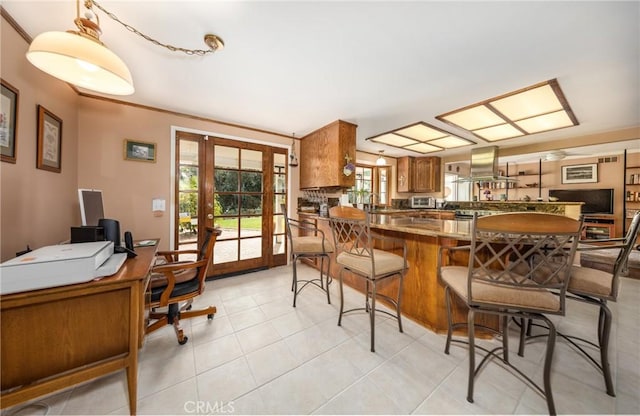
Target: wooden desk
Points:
(54, 338)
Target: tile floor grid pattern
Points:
(259, 355)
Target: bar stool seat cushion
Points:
(385, 263)
(456, 277)
(590, 282)
(311, 245)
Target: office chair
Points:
(174, 281)
(356, 253)
(310, 243)
(519, 267)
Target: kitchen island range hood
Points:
(484, 166)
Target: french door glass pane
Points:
(250, 226)
(188, 180)
(250, 248)
(225, 251)
(228, 203)
(251, 160)
(229, 227)
(251, 204)
(278, 244)
(226, 180)
(227, 157)
(251, 182)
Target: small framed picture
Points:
(8, 122)
(49, 153)
(139, 151)
(580, 173)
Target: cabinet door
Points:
(426, 175)
(405, 174)
(422, 175)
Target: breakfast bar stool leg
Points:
(372, 315)
(341, 301)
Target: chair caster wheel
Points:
(210, 316)
(184, 341)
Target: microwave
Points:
(422, 202)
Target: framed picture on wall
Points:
(8, 122)
(139, 151)
(49, 153)
(580, 173)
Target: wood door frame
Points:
(206, 164)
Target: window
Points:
(459, 191)
(370, 182)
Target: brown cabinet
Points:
(419, 174)
(322, 156)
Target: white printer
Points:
(59, 265)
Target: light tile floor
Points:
(259, 355)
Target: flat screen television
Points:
(91, 209)
(596, 201)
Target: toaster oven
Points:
(422, 202)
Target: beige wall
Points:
(37, 206)
(128, 186)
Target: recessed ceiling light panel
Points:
(538, 108)
(393, 140)
(421, 137)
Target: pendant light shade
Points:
(81, 59)
(381, 160)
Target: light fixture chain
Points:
(199, 52)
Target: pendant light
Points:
(80, 58)
(381, 160)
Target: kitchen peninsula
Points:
(423, 297)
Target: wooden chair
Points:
(519, 267)
(310, 243)
(174, 281)
(355, 250)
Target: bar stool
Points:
(519, 267)
(310, 243)
(354, 244)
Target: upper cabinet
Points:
(322, 156)
(419, 174)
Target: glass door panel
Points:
(279, 197)
(188, 184)
(238, 187)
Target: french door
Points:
(238, 187)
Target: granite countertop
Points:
(459, 228)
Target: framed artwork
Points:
(49, 154)
(580, 173)
(8, 122)
(139, 151)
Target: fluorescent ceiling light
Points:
(422, 138)
(538, 108)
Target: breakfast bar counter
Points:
(423, 298)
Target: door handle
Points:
(210, 216)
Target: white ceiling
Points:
(293, 66)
